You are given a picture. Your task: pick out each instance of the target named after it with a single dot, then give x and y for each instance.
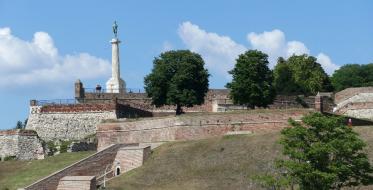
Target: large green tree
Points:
(252, 80)
(177, 78)
(283, 79)
(353, 75)
(324, 153)
(300, 74)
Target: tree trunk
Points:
(179, 111)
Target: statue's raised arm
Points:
(115, 29)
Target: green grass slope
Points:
(17, 174)
(218, 163)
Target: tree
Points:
(177, 78)
(324, 153)
(283, 79)
(252, 80)
(300, 74)
(19, 125)
(353, 75)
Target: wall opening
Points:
(117, 171)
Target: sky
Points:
(45, 46)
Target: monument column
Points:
(115, 84)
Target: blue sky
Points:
(46, 45)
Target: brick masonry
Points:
(130, 158)
(94, 165)
(191, 127)
(77, 183)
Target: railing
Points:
(104, 90)
(56, 102)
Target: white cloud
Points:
(275, 45)
(219, 52)
(37, 62)
(296, 48)
(327, 63)
(269, 42)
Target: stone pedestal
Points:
(115, 84)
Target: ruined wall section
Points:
(68, 122)
(22, 144)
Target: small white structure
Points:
(115, 84)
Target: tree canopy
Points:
(252, 80)
(352, 75)
(300, 74)
(177, 78)
(324, 153)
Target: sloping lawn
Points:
(218, 163)
(17, 174)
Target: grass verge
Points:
(16, 174)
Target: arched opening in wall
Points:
(117, 171)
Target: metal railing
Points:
(104, 90)
(56, 102)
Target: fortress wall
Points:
(191, 127)
(349, 92)
(361, 113)
(23, 144)
(8, 143)
(68, 125)
(77, 108)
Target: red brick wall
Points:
(191, 127)
(78, 108)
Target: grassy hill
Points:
(17, 174)
(217, 163)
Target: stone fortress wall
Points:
(355, 102)
(78, 120)
(68, 122)
(20, 144)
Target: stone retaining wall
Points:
(349, 92)
(66, 125)
(22, 144)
